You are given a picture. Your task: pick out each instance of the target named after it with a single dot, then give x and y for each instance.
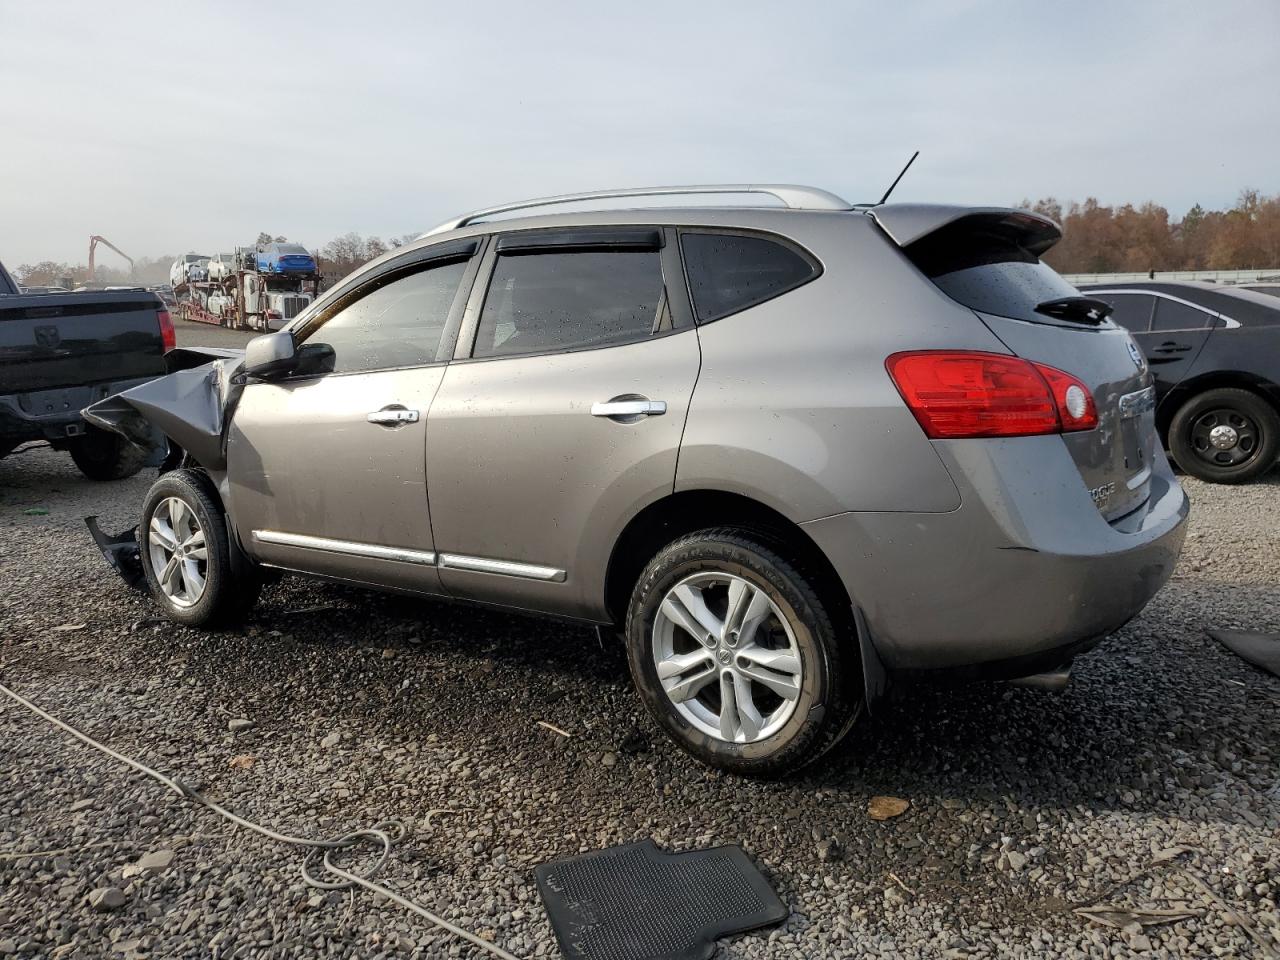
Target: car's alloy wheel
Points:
(178, 552)
(742, 652)
(187, 553)
(726, 657)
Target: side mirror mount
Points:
(270, 355)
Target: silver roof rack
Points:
(792, 195)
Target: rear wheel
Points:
(105, 456)
(186, 554)
(1226, 435)
(736, 655)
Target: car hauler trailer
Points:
(248, 299)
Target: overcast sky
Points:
(176, 126)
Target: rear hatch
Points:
(68, 339)
(988, 260)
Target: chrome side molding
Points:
(506, 568)
(348, 547)
(375, 551)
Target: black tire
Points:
(225, 599)
(830, 686)
(105, 456)
(1252, 420)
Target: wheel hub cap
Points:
(1223, 437)
(726, 657)
(178, 553)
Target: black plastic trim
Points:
(580, 238)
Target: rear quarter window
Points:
(729, 272)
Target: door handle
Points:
(393, 416)
(629, 409)
(1171, 346)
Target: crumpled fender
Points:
(191, 406)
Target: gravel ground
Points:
(1023, 804)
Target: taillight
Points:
(168, 338)
(973, 394)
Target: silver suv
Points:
(790, 452)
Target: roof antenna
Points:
(899, 177)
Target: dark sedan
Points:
(1215, 355)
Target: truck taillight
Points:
(168, 337)
(961, 393)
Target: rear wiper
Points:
(1079, 309)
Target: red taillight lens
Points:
(972, 394)
(168, 337)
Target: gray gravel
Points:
(1022, 804)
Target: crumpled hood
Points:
(191, 405)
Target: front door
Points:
(561, 415)
(327, 466)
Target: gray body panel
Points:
(305, 461)
(520, 470)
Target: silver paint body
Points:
(509, 488)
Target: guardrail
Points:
(1215, 276)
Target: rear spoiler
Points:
(908, 222)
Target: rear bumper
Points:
(1023, 573)
(53, 414)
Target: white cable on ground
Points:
(385, 834)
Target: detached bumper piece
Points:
(636, 902)
(122, 552)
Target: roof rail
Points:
(792, 195)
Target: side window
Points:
(398, 323)
(545, 301)
(1172, 315)
(1132, 310)
(730, 272)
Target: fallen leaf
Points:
(36, 512)
(68, 627)
(243, 762)
(886, 808)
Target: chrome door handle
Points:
(629, 408)
(391, 416)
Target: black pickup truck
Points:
(60, 352)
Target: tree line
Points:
(1096, 239)
(1128, 239)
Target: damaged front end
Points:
(183, 415)
(190, 407)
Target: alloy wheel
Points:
(178, 552)
(726, 657)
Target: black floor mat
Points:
(637, 902)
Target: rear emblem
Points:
(1136, 355)
(1102, 494)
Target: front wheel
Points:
(1226, 435)
(186, 554)
(736, 655)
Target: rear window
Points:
(988, 273)
(1175, 315)
(730, 272)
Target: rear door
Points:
(327, 466)
(561, 415)
(1179, 331)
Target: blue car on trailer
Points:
(285, 258)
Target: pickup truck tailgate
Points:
(55, 340)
